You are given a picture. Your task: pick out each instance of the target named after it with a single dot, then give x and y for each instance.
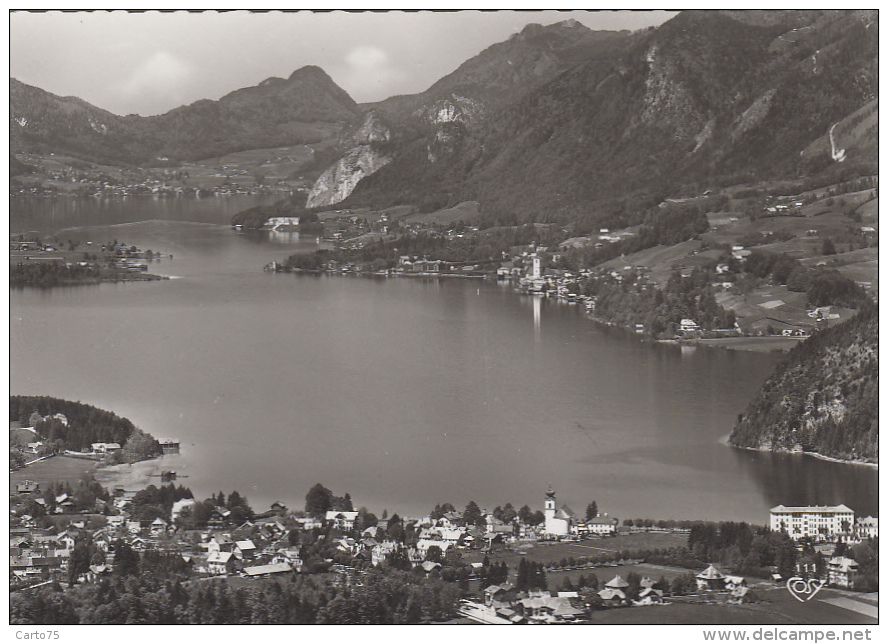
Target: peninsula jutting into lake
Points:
(599, 255)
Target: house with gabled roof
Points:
(158, 527)
(220, 543)
(220, 563)
(611, 597)
(450, 520)
(219, 516)
(545, 609)
(342, 519)
(649, 596)
(245, 549)
(291, 557)
(710, 579)
(423, 546)
(840, 572)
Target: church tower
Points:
(557, 522)
(549, 506)
(537, 268)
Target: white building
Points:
(818, 521)
(602, 526)
(841, 571)
(105, 448)
(867, 527)
(341, 519)
(557, 521)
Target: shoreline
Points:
(150, 277)
(129, 476)
(725, 440)
(303, 271)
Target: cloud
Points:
(367, 58)
(369, 72)
(160, 79)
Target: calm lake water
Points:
(403, 392)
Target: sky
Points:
(149, 63)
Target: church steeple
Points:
(549, 505)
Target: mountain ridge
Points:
(538, 126)
(304, 108)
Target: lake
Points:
(403, 392)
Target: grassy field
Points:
(556, 551)
(776, 606)
(761, 344)
(59, 469)
(660, 259)
(861, 265)
(285, 163)
(66, 469)
(556, 578)
(466, 211)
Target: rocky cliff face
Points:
(365, 156)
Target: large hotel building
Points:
(817, 521)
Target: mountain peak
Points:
(312, 72)
(535, 29)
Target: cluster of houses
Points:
(827, 525)
(505, 604)
(260, 547)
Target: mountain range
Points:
(545, 126)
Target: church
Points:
(557, 521)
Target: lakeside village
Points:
(33, 260)
(85, 535)
(62, 176)
(726, 286)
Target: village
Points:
(505, 562)
(54, 175)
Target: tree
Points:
(16, 459)
(434, 554)
(522, 580)
(365, 519)
(509, 513)
(78, 563)
(591, 511)
(140, 446)
(126, 560)
(441, 509)
(525, 514)
(472, 515)
(828, 247)
(318, 500)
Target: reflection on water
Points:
(799, 479)
(404, 392)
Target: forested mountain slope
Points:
(823, 398)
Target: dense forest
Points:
(151, 589)
(83, 425)
(823, 397)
